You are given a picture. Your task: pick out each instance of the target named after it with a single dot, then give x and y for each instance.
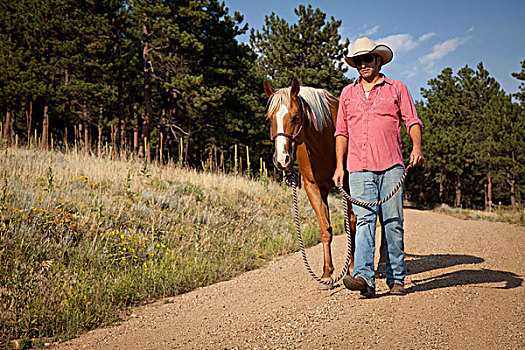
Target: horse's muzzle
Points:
(283, 164)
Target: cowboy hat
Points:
(363, 46)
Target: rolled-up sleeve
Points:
(407, 108)
(341, 128)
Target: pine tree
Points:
(310, 50)
(506, 147)
(478, 92)
(443, 137)
(25, 80)
(521, 76)
(473, 138)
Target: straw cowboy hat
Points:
(363, 46)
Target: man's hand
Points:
(341, 144)
(338, 176)
(416, 157)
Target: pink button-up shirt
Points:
(372, 125)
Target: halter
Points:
(290, 136)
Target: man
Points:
(369, 119)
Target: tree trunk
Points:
(114, 133)
(67, 104)
(441, 188)
(512, 193)
(86, 117)
(135, 130)
(485, 191)
(512, 183)
(123, 140)
(7, 127)
(45, 129)
(142, 141)
(77, 137)
(122, 121)
(146, 126)
(161, 145)
(87, 141)
(489, 192)
(99, 146)
(12, 128)
(120, 97)
(66, 139)
(457, 203)
(29, 120)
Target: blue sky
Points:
(426, 36)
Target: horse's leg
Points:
(382, 249)
(381, 266)
(353, 223)
(319, 201)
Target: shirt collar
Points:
(385, 80)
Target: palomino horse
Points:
(303, 122)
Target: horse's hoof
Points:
(324, 286)
(381, 270)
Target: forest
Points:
(168, 80)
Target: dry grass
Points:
(513, 215)
(82, 238)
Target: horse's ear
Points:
(295, 88)
(268, 89)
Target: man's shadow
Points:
(467, 277)
(416, 263)
(421, 263)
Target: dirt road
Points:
(465, 280)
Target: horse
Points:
(304, 119)
(303, 123)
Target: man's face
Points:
(367, 65)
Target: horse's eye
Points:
(295, 118)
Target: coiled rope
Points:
(293, 179)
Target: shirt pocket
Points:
(352, 107)
(387, 107)
(388, 100)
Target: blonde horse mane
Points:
(319, 102)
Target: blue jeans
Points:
(368, 186)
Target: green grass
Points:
(82, 238)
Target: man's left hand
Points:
(416, 157)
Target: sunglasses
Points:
(366, 59)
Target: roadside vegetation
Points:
(82, 237)
(510, 214)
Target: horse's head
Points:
(286, 117)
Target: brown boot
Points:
(359, 284)
(398, 289)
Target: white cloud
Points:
(404, 42)
(426, 36)
(440, 50)
(370, 31)
(399, 42)
(412, 73)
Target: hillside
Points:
(82, 237)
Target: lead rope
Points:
(293, 178)
(373, 204)
(300, 239)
